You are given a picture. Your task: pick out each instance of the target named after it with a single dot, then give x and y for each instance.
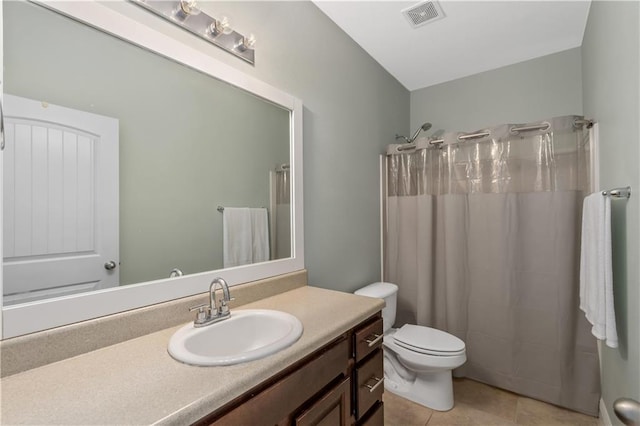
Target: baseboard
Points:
(604, 419)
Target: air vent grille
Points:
(423, 13)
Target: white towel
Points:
(260, 235)
(237, 237)
(596, 276)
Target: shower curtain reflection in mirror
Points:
(483, 238)
(280, 200)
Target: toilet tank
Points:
(388, 292)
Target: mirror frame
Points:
(40, 315)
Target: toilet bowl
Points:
(417, 360)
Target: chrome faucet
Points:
(223, 310)
(210, 313)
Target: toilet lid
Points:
(428, 340)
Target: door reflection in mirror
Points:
(60, 177)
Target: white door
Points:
(60, 178)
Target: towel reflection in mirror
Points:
(245, 236)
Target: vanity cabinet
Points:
(339, 384)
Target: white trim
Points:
(297, 204)
(40, 315)
(604, 419)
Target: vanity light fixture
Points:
(187, 15)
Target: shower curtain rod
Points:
(542, 126)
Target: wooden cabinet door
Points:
(331, 410)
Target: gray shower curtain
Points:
(482, 237)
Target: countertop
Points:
(137, 382)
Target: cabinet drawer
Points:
(368, 339)
(370, 377)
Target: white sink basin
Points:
(249, 334)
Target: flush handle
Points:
(373, 339)
(110, 265)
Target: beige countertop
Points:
(137, 382)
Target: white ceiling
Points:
(474, 36)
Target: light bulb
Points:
(224, 25)
(189, 7)
(247, 43)
(218, 27)
(250, 41)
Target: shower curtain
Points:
(482, 237)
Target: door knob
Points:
(110, 265)
(627, 410)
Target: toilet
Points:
(417, 360)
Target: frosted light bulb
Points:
(218, 27)
(250, 42)
(190, 7)
(247, 43)
(224, 25)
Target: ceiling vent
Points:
(423, 13)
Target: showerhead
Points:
(424, 127)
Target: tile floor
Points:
(479, 404)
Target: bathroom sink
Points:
(247, 335)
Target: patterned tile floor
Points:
(479, 404)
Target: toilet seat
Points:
(428, 341)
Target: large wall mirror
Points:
(136, 168)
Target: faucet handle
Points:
(224, 306)
(199, 307)
(225, 302)
(201, 315)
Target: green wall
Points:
(540, 88)
(611, 77)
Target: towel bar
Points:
(618, 192)
(221, 209)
